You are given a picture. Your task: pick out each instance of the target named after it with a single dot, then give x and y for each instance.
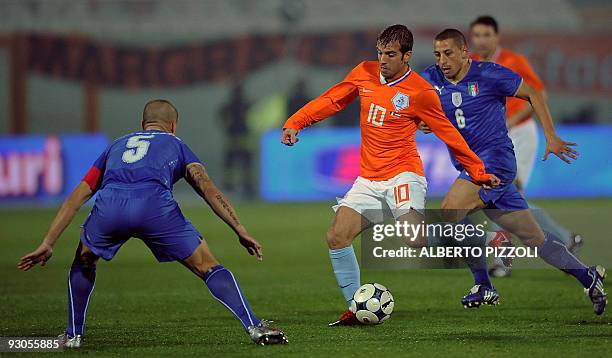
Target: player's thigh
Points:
(345, 227)
(413, 218)
(164, 229)
(201, 260)
(406, 192)
(521, 223)
(462, 198)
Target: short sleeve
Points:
(188, 156)
(505, 81)
(100, 163)
(93, 178)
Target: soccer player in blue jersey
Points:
(473, 96)
(133, 179)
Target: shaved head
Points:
(159, 112)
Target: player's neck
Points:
(155, 127)
(399, 73)
(462, 72)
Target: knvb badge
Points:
(400, 101)
(473, 88)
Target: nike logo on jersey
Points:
(365, 90)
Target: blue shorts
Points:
(148, 213)
(502, 163)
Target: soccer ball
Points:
(372, 303)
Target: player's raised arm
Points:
(554, 144)
(429, 111)
(196, 176)
(79, 196)
(326, 105)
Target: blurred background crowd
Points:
(74, 74)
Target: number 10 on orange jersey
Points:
(374, 116)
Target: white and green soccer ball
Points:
(372, 303)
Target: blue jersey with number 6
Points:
(477, 104)
(133, 178)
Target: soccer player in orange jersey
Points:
(394, 100)
(522, 128)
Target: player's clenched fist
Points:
(288, 137)
(493, 182)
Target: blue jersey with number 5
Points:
(477, 104)
(142, 158)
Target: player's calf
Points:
(81, 282)
(224, 288)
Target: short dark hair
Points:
(487, 21)
(453, 34)
(399, 33)
(159, 110)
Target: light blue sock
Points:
(346, 270)
(548, 224)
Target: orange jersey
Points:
(519, 64)
(390, 113)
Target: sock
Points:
(548, 224)
(224, 287)
(81, 282)
(346, 270)
(556, 254)
(477, 264)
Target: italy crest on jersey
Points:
(400, 101)
(456, 98)
(473, 88)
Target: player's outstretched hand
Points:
(423, 127)
(561, 149)
(253, 246)
(41, 255)
(288, 137)
(493, 182)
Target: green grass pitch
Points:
(150, 309)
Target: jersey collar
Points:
(383, 81)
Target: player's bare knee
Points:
(200, 262)
(84, 257)
(337, 239)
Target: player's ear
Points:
(407, 56)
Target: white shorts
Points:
(376, 199)
(525, 139)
